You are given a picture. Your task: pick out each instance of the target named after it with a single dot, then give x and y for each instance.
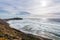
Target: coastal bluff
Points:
(7, 33)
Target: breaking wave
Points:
(37, 27)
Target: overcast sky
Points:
(36, 7)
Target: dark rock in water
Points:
(54, 19)
(13, 19)
(7, 33)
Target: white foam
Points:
(36, 28)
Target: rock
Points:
(13, 19)
(3, 22)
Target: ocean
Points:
(37, 26)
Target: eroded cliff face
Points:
(7, 33)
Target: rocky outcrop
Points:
(3, 22)
(7, 33)
(13, 19)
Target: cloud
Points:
(36, 7)
(23, 13)
(50, 6)
(13, 7)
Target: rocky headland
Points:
(7, 33)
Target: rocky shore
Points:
(7, 33)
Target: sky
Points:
(10, 8)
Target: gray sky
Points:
(36, 7)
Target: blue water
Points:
(44, 28)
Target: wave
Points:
(39, 28)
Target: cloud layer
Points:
(37, 7)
